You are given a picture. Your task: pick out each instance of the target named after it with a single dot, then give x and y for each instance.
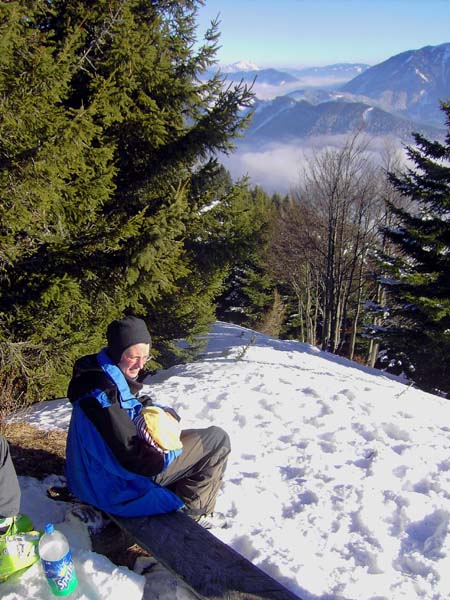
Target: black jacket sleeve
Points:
(119, 432)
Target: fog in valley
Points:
(279, 167)
(266, 91)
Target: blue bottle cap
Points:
(49, 528)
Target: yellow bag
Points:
(163, 427)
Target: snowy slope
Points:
(338, 483)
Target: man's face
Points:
(133, 359)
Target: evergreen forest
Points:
(114, 201)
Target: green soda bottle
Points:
(57, 562)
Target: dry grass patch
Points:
(35, 452)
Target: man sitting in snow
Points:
(111, 466)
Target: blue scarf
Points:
(127, 400)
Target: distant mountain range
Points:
(339, 71)
(312, 76)
(285, 119)
(396, 97)
(297, 110)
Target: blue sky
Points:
(318, 32)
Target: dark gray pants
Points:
(9, 485)
(195, 476)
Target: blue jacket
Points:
(107, 465)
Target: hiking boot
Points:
(212, 521)
(94, 519)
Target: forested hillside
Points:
(113, 201)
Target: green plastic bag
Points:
(18, 547)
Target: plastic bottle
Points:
(57, 562)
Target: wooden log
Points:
(207, 565)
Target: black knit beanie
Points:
(123, 333)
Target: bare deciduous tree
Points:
(322, 239)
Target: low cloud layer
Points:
(279, 167)
(276, 168)
(265, 91)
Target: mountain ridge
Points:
(410, 83)
(397, 97)
(319, 76)
(285, 119)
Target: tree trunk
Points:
(357, 313)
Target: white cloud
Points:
(278, 167)
(265, 91)
(275, 168)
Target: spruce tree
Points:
(104, 124)
(249, 291)
(418, 331)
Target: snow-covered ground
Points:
(338, 483)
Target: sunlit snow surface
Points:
(338, 484)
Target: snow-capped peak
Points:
(242, 65)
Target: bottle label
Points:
(61, 575)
